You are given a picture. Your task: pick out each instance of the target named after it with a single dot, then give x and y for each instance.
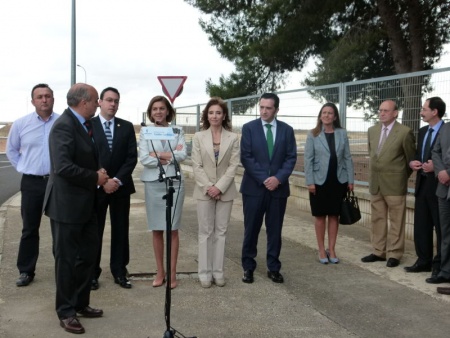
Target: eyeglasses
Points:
(425, 109)
(379, 111)
(109, 100)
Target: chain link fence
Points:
(357, 101)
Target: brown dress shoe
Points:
(90, 312)
(443, 290)
(72, 325)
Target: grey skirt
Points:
(156, 205)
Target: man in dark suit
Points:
(116, 142)
(268, 154)
(69, 201)
(426, 209)
(441, 162)
(391, 147)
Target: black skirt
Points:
(328, 198)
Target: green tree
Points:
(349, 39)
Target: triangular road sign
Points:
(172, 86)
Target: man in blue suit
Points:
(268, 154)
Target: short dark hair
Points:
(109, 89)
(436, 102)
(271, 96)
(226, 123)
(40, 85)
(160, 98)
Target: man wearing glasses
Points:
(426, 209)
(116, 143)
(391, 147)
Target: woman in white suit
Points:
(215, 158)
(328, 173)
(161, 112)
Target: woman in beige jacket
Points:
(215, 158)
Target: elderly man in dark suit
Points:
(268, 154)
(391, 147)
(426, 209)
(441, 161)
(116, 142)
(69, 201)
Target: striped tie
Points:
(108, 134)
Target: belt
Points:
(44, 177)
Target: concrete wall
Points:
(300, 198)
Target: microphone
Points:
(162, 173)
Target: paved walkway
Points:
(350, 299)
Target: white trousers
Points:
(213, 219)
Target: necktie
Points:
(383, 140)
(108, 134)
(88, 126)
(269, 138)
(427, 149)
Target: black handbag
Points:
(350, 212)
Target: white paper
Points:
(158, 133)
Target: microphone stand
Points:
(170, 332)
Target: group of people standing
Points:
(76, 166)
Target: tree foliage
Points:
(349, 39)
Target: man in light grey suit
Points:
(441, 161)
(391, 148)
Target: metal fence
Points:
(358, 102)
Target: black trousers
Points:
(76, 246)
(426, 221)
(119, 213)
(32, 189)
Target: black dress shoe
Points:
(94, 284)
(418, 268)
(24, 279)
(437, 280)
(435, 272)
(123, 282)
(72, 325)
(275, 276)
(91, 312)
(372, 258)
(248, 276)
(392, 262)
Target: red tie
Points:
(88, 126)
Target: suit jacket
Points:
(389, 170)
(317, 158)
(441, 158)
(121, 161)
(71, 189)
(206, 172)
(431, 184)
(151, 170)
(257, 164)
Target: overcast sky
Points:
(124, 44)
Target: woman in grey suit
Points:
(161, 112)
(215, 158)
(329, 173)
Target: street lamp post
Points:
(85, 77)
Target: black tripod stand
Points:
(170, 331)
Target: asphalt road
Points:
(9, 179)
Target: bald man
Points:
(70, 203)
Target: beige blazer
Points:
(206, 172)
(389, 170)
